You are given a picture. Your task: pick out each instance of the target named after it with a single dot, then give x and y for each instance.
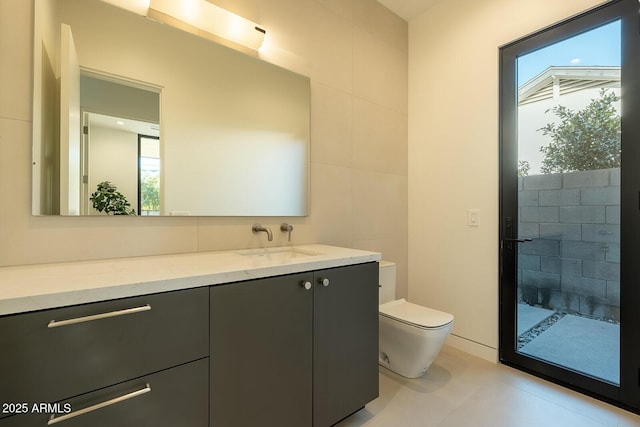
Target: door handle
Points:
(510, 242)
(508, 224)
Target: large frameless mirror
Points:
(175, 124)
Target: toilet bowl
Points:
(410, 335)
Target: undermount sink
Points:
(276, 254)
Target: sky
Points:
(600, 46)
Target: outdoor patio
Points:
(580, 343)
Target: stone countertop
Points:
(41, 286)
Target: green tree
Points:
(584, 140)
(150, 193)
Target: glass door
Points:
(568, 121)
(565, 128)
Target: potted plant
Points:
(109, 200)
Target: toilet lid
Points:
(415, 314)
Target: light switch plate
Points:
(473, 218)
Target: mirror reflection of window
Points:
(113, 151)
(149, 180)
(117, 113)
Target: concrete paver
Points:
(579, 343)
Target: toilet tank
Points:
(387, 288)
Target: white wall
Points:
(453, 155)
(355, 52)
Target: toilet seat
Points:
(415, 315)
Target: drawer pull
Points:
(57, 323)
(54, 419)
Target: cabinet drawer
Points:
(174, 397)
(55, 354)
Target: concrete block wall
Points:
(572, 263)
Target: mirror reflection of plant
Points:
(109, 200)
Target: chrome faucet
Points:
(258, 228)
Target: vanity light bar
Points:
(208, 21)
(201, 18)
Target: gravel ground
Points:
(532, 333)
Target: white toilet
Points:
(411, 335)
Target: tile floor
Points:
(463, 391)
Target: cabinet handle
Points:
(325, 282)
(54, 419)
(306, 285)
(57, 323)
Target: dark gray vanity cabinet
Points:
(297, 350)
(90, 354)
(345, 341)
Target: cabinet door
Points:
(345, 340)
(261, 353)
(170, 398)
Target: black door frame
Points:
(627, 394)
